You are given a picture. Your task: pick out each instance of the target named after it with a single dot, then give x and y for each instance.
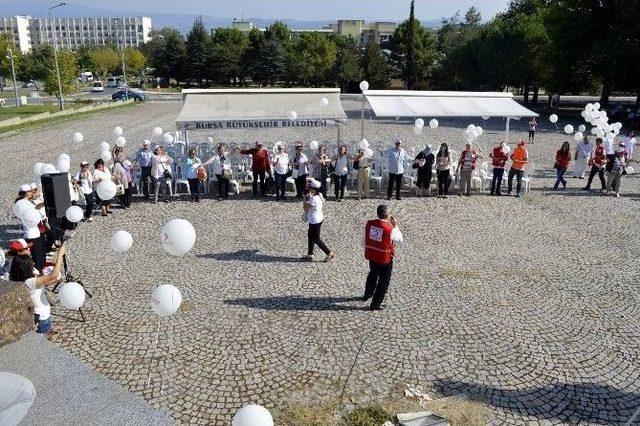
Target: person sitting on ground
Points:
(499, 159)
(281, 169)
(260, 167)
(85, 181)
(161, 165)
(443, 166)
(222, 170)
(312, 206)
(519, 160)
(191, 165)
(563, 159)
(23, 270)
(598, 161)
(102, 174)
(466, 166)
(397, 157)
(618, 169)
(424, 164)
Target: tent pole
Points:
(338, 125)
(362, 118)
(507, 130)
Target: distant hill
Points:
(38, 8)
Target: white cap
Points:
(314, 184)
(25, 188)
(34, 186)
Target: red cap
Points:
(19, 245)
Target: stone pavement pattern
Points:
(529, 305)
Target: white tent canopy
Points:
(405, 103)
(210, 109)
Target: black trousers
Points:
(281, 182)
(194, 188)
(497, 180)
(443, 182)
(378, 282)
(600, 172)
(394, 178)
(314, 239)
(518, 174)
(223, 187)
(147, 182)
(91, 204)
(301, 183)
(38, 252)
(339, 182)
(254, 185)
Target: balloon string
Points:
(155, 350)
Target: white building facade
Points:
(71, 33)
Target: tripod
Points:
(69, 278)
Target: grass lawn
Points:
(8, 112)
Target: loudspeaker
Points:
(57, 198)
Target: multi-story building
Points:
(74, 32)
(362, 32)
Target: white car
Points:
(97, 87)
(112, 81)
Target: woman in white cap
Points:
(85, 181)
(280, 164)
(26, 212)
(312, 206)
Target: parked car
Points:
(30, 84)
(97, 86)
(121, 84)
(86, 76)
(112, 82)
(136, 95)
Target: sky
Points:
(389, 10)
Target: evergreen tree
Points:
(410, 67)
(375, 67)
(347, 69)
(197, 47)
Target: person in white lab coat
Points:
(583, 152)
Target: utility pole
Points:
(15, 82)
(55, 55)
(124, 71)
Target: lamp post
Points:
(55, 55)
(13, 71)
(124, 74)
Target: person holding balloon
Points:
(222, 170)
(30, 218)
(340, 172)
(280, 164)
(519, 160)
(563, 159)
(313, 215)
(102, 174)
(397, 157)
(23, 270)
(424, 164)
(499, 157)
(598, 161)
(364, 172)
(300, 170)
(443, 170)
(618, 169)
(191, 165)
(583, 152)
(143, 161)
(161, 171)
(85, 182)
(466, 166)
(321, 165)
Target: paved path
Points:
(529, 305)
(70, 393)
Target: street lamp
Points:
(13, 71)
(55, 54)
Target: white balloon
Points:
(578, 136)
(553, 118)
(588, 107)
(178, 237)
(364, 144)
(168, 138)
(368, 153)
(417, 130)
(121, 241)
(157, 131)
(48, 169)
(364, 85)
(30, 217)
(479, 130)
(64, 156)
(293, 115)
(433, 123)
(582, 128)
(596, 106)
(104, 146)
(106, 156)
(486, 117)
(594, 131)
(64, 165)
(121, 141)
(166, 300)
(210, 140)
(584, 114)
(324, 101)
(74, 214)
(568, 129)
(630, 170)
(71, 295)
(77, 137)
(471, 127)
(252, 415)
(475, 133)
(106, 190)
(506, 149)
(419, 122)
(313, 145)
(117, 131)
(37, 169)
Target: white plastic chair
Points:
(180, 181)
(476, 179)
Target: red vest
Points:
(378, 246)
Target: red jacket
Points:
(378, 246)
(563, 160)
(599, 157)
(474, 158)
(260, 159)
(499, 157)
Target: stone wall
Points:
(16, 311)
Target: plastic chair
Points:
(180, 181)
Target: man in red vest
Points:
(259, 166)
(380, 237)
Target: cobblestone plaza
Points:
(527, 305)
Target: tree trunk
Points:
(534, 99)
(606, 92)
(525, 92)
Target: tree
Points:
(197, 46)
(68, 66)
(473, 16)
(347, 70)
(103, 61)
(310, 59)
(271, 62)
(6, 44)
(167, 54)
(36, 64)
(226, 51)
(280, 31)
(252, 53)
(135, 61)
(416, 71)
(410, 66)
(375, 67)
